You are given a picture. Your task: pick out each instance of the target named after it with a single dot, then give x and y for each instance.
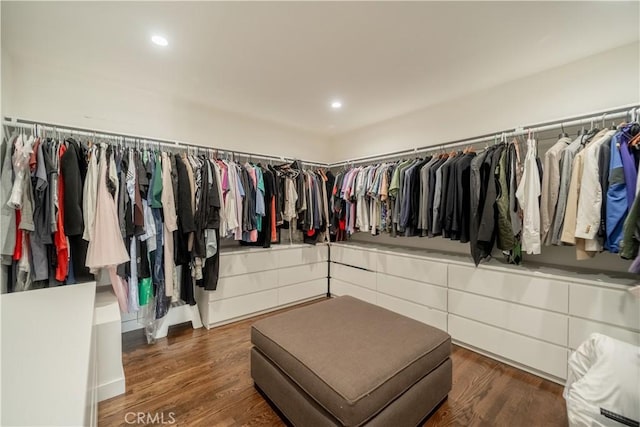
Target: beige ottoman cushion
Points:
(351, 357)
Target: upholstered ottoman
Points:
(346, 362)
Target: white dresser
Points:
(49, 357)
(257, 280)
(525, 316)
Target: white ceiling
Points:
(285, 61)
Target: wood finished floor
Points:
(203, 377)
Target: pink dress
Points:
(106, 248)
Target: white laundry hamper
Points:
(603, 383)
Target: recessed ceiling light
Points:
(336, 105)
(159, 40)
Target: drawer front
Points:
(301, 291)
(435, 318)
(229, 287)
(417, 292)
(524, 289)
(536, 323)
(231, 308)
(612, 306)
(247, 262)
(539, 355)
(355, 257)
(301, 256)
(339, 288)
(302, 273)
(355, 276)
(421, 270)
(580, 329)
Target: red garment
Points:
(59, 238)
(17, 250)
(274, 234)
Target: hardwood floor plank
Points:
(203, 376)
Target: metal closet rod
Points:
(617, 113)
(34, 125)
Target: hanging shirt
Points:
(60, 239)
(617, 204)
(170, 225)
(566, 162)
(550, 186)
(589, 209)
(569, 227)
(527, 194)
(8, 219)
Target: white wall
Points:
(599, 82)
(44, 93)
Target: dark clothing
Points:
(505, 231)
(264, 237)
(414, 203)
(186, 223)
(462, 209)
(449, 198)
(211, 269)
(432, 186)
(604, 158)
(73, 169)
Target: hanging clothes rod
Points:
(632, 112)
(36, 126)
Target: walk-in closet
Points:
(320, 213)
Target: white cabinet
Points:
(355, 276)
(244, 284)
(415, 311)
(49, 357)
(612, 306)
(541, 292)
(355, 257)
(535, 323)
(301, 291)
(580, 329)
(544, 357)
(107, 321)
(529, 318)
(339, 288)
(413, 268)
(242, 262)
(258, 280)
(412, 290)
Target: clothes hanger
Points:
(563, 134)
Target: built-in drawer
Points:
(235, 263)
(536, 323)
(354, 256)
(241, 306)
(233, 286)
(435, 318)
(545, 357)
(418, 269)
(612, 306)
(302, 255)
(339, 288)
(355, 276)
(411, 290)
(580, 329)
(302, 273)
(302, 291)
(521, 288)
